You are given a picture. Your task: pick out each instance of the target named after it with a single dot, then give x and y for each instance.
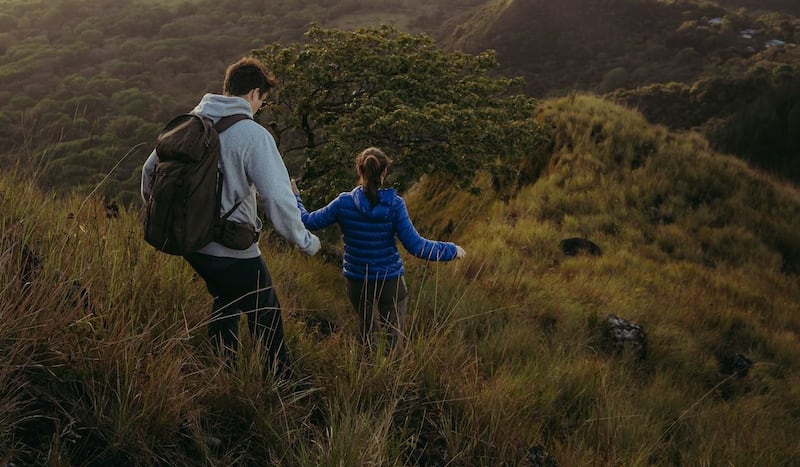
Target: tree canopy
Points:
(92, 82)
(89, 81)
(432, 111)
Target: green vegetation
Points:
(784, 6)
(433, 111)
(85, 86)
(686, 64)
(103, 354)
(84, 82)
(756, 115)
(87, 82)
(505, 348)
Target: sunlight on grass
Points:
(105, 357)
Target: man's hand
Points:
(295, 190)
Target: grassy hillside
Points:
(687, 64)
(755, 115)
(104, 359)
(559, 46)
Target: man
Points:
(239, 280)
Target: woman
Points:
(370, 217)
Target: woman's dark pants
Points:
(391, 296)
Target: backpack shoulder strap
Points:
(223, 124)
(226, 122)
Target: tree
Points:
(434, 112)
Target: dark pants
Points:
(391, 296)
(243, 286)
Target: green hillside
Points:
(104, 360)
(559, 46)
(727, 72)
(86, 85)
(784, 6)
(755, 115)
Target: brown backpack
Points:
(183, 212)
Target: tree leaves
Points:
(432, 111)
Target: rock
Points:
(112, 210)
(735, 364)
(621, 334)
(575, 245)
(538, 457)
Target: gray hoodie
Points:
(250, 164)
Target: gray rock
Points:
(621, 334)
(538, 457)
(735, 364)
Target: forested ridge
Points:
(739, 65)
(85, 86)
(83, 83)
(782, 6)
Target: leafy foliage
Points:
(756, 116)
(433, 111)
(112, 72)
(638, 47)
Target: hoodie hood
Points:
(216, 106)
(382, 210)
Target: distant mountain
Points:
(783, 6)
(728, 73)
(601, 45)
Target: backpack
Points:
(183, 212)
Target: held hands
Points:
(295, 190)
(460, 253)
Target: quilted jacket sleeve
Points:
(414, 243)
(320, 218)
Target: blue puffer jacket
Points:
(370, 251)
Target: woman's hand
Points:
(295, 190)
(460, 253)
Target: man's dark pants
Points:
(243, 286)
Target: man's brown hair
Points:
(247, 74)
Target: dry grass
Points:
(504, 351)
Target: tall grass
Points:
(105, 359)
